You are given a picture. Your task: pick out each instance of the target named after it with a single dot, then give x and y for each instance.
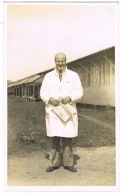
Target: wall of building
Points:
(97, 76)
(104, 96)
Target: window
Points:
(102, 72)
(95, 75)
(84, 75)
(107, 72)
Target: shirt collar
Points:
(63, 73)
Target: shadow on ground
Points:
(76, 158)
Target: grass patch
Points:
(27, 132)
(105, 114)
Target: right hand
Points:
(54, 102)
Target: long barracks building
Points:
(97, 74)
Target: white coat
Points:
(70, 85)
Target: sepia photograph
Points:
(61, 62)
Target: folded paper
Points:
(63, 111)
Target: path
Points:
(95, 167)
(98, 121)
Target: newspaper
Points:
(63, 111)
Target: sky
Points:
(36, 32)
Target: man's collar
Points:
(63, 73)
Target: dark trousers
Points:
(55, 147)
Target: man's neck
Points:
(62, 72)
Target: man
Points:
(60, 90)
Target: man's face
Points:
(60, 61)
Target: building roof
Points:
(25, 80)
(97, 55)
(34, 77)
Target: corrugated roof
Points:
(13, 84)
(22, 81)
(33, 79)
(25, 80)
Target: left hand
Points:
(66, 100)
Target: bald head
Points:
(60, 61)
(60, 55)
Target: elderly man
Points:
(60, 90)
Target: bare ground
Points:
(95, 167)
(96, 164)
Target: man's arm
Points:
(44, 92)
(77, 92)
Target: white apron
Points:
(70, 85)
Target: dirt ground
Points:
(95, 167)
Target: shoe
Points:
(56, 167)
(72, 169)
(50, 169)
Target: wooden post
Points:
(91, 76)
(100, 73)
(28, 92)
(111, 74)
(19, 92)
(105, 74)
(33, 92)
(38, 91)
(22, 91)
(15, 92)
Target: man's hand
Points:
(66, 100)
(54, 102)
